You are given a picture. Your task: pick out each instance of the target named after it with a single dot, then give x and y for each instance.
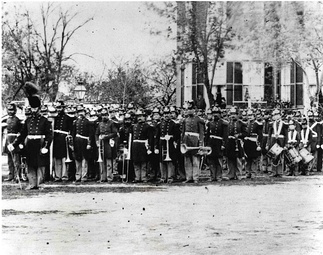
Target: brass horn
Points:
(100, 160)
(68, 160)
(202, 150)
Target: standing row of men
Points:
(165, 145)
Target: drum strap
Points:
(290, 138)
(313, 126)
(304, 136)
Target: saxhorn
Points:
(68, 160)
(202, 150)
(100, 160)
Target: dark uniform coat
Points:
(193, 125)
(62, 122)
(14, 126)
(253, 131)
(109, 131)
(167, 127)
(281, 131)
(214, 129)
(36, 125)
(82, 126)
(235, 128)
(141, 132)
(265, 134)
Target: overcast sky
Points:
(119, 30)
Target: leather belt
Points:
(83, 137)
(216, 137)
(35, 136)
(253, 139)
(192, 134)
(61, 132)
(140, 141)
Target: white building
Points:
(240, 77)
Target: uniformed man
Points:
(125, 140)
(14, 126)
(319, 145)
(62, 129)
(141, 147)
(305, 142)
(192, 136)
(277, 133)
(167, 133)
(105, 135)
(316, 130)
(83, 136)
(37, 129)
(234, 152)
(216, 137)
(252, 142)
(266, 161)
(292, 142)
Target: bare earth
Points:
(238, 217)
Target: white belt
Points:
(61, 132)
(163, 137)
(83, 137)
(314, 135)
(253, 139)
(231, 137)
(279, 136)
(141, 141)
(12, 134)
(216, 137)
(192, 134)
(264, 134)
(35, 136)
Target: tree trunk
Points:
(207, 86)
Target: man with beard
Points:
(216, 137)
(83, 136)
(141, 146)
(305, 142)
(234, 152)
(38, 132)
(252, 142)
(277, 133)
(126, 164)
(192, 136)
(14, 126)
(105, 134)
(62, 129)
(315, 141)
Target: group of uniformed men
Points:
(105, 144)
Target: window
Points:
(269, 89)
(197, 81)
(234, 82)
(296, 87)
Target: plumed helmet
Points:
(12, 107)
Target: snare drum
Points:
(306, 156)
(274, 151)
(294, 154)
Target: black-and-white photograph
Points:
(162, 127)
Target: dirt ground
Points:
(261, 216)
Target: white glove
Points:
(88, 147)
(111, 142)
(44, 150)
(148, 152)
(21, 146)
(10, 147)
(167, 137)
(156, 151)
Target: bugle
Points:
(100, 160)
(202, 150)
(68, 160)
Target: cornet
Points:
(202, 150)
